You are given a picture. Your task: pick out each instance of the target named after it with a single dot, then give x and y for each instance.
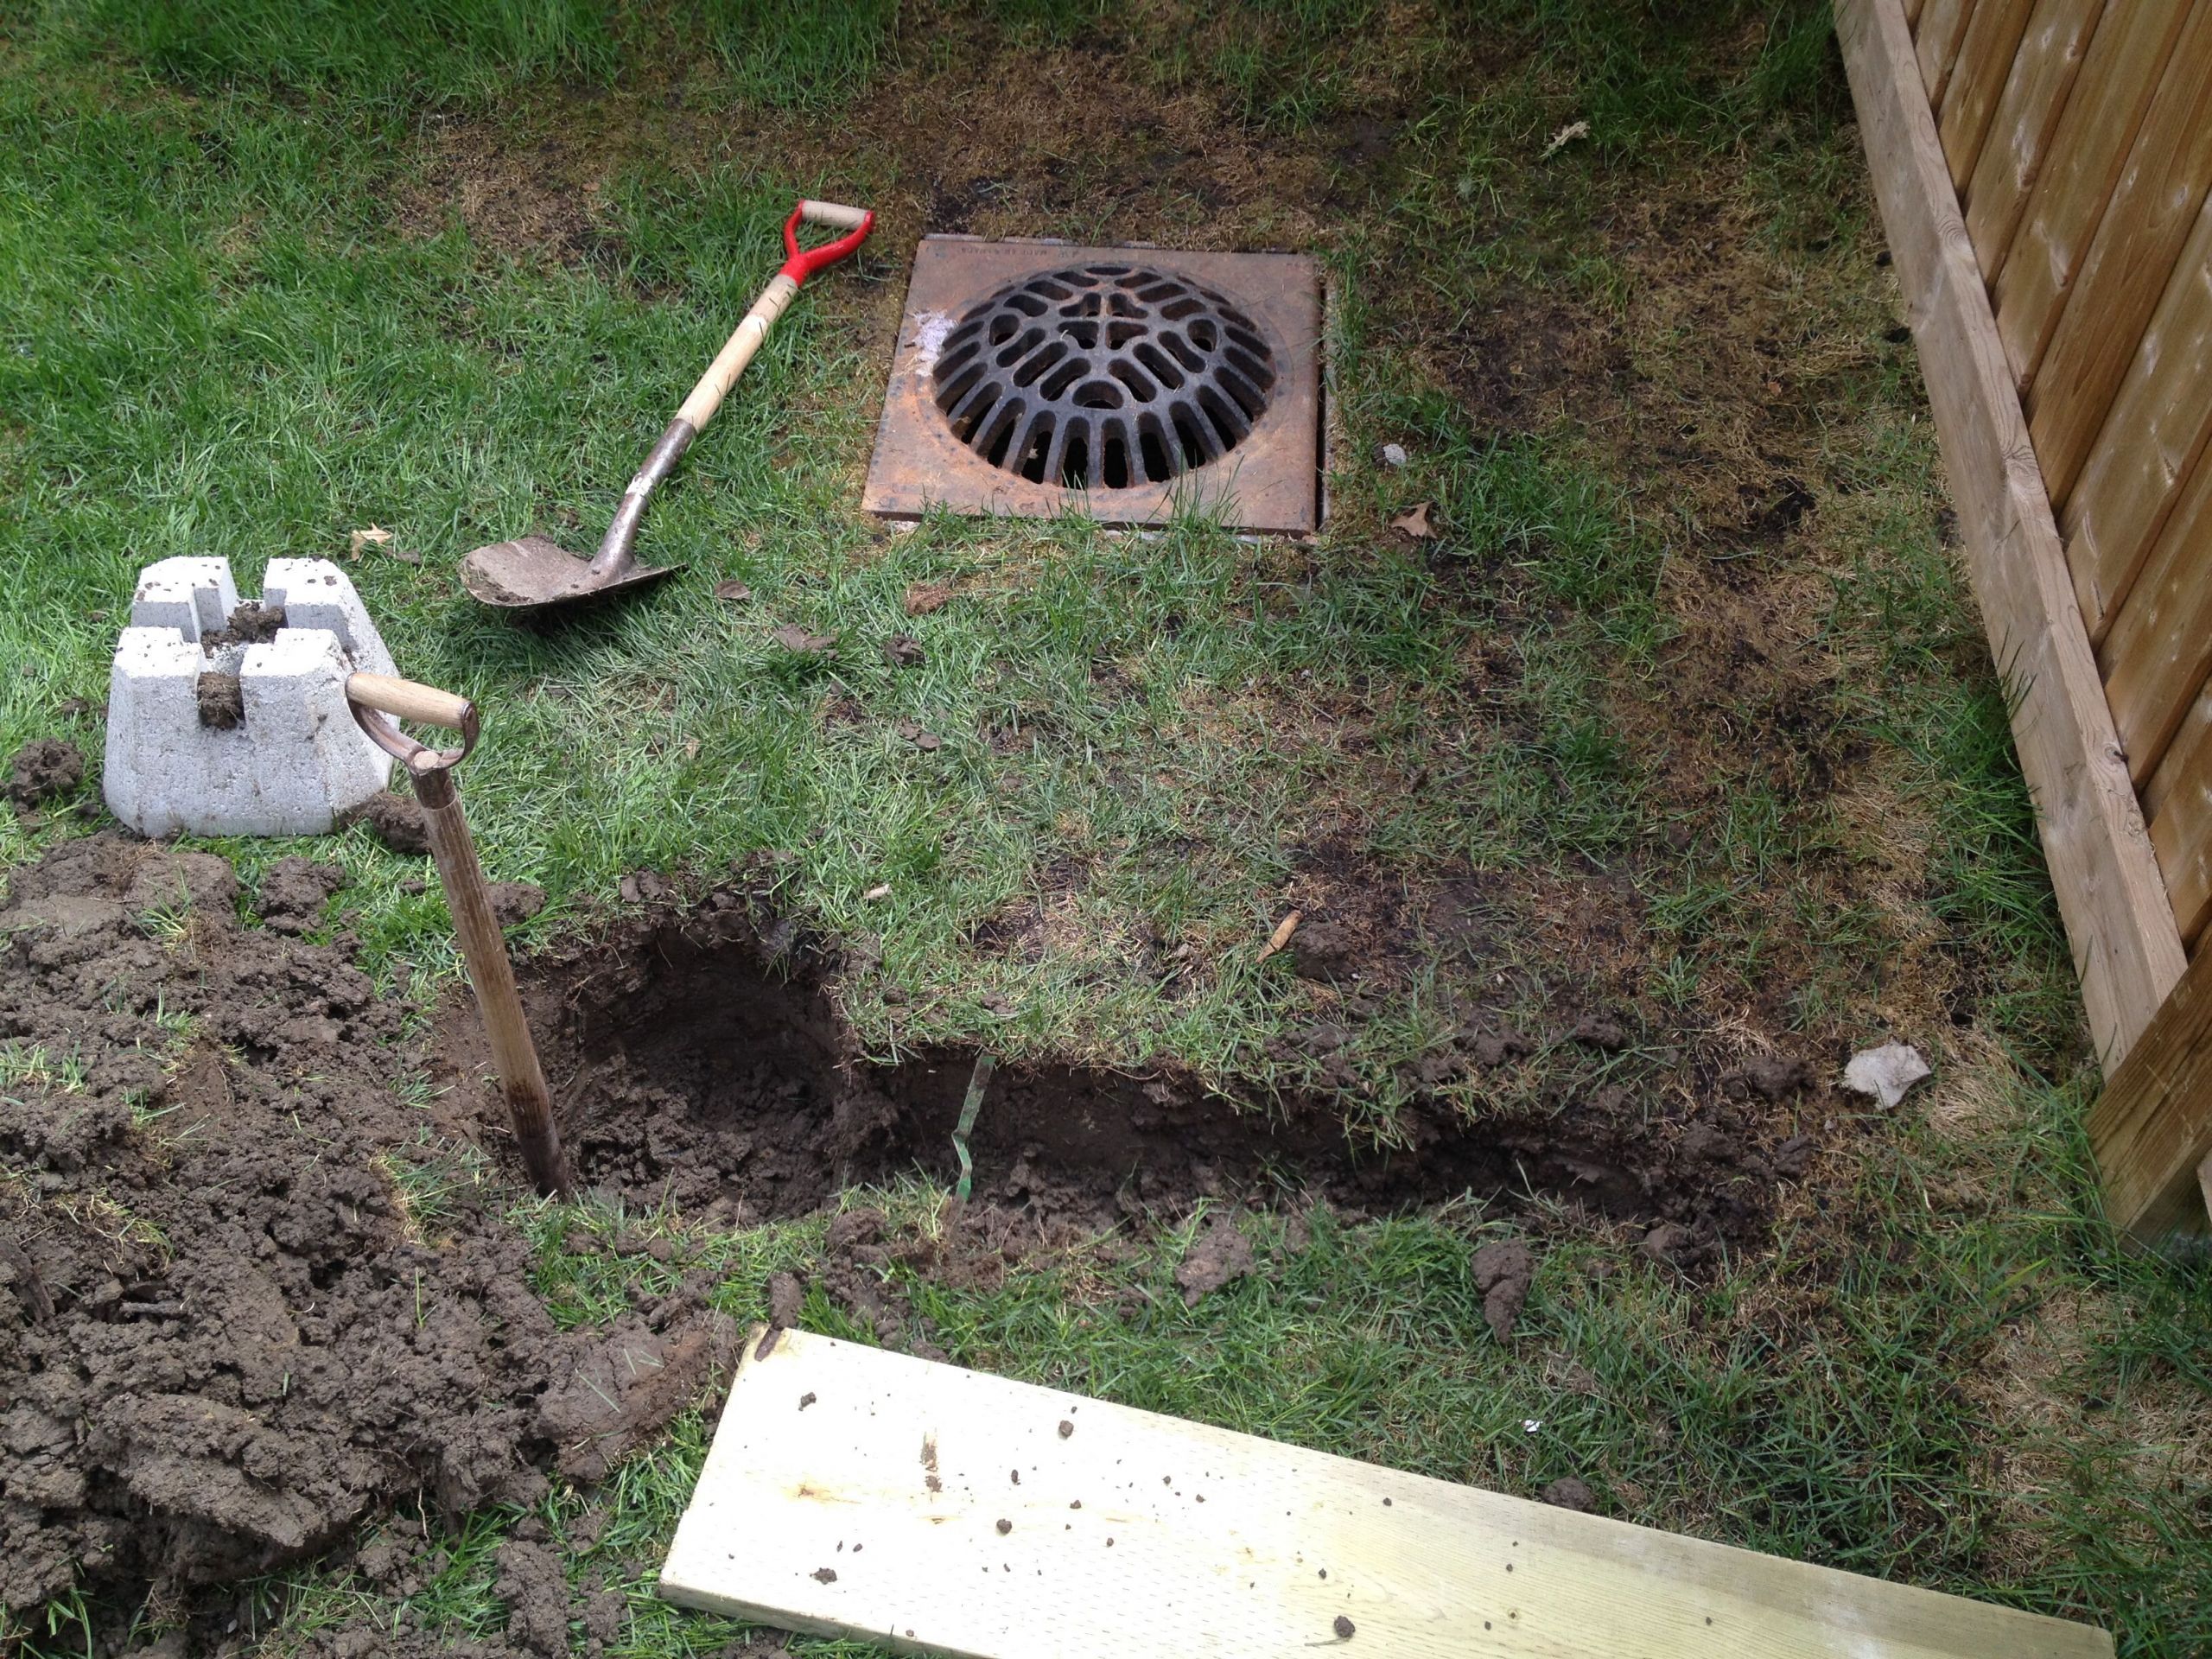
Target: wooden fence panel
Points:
(1977, 81)
(2159, 654)
(2042, 76)
(2128, 267)
(2118, 916)
(2178, 797)
(1942, 28)
(2127, 56)
(2150, 441)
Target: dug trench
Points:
(237, 1318)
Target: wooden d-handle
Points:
(409, 701)
(835, 214)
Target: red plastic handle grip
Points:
(803, 263)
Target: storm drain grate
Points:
(1103, 374)
(1031, 377)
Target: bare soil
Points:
(228, 1334)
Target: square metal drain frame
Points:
(1165, 380)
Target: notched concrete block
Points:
(240, 736)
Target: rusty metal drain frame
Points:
(1267, 479)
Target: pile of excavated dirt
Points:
(227, 1335)
(224, 1339)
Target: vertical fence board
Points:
(1943, 27)
(2160, 652)
(1977, 81)
(2149, 441)
(1911, 11)
(2091, 146)
(2117, 917)
(2129, 267)
(2043, 75)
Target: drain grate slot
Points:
(1103, 376)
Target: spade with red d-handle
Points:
(379, 703)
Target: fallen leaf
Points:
(793, 637)
(923, 597)
(920, 739)
(1414, 522)
(1566, 135)
(1280, 937)
(904, 650)
(735, 592)
(690, 748)
(881, 890)
(381, 540)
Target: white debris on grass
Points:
(1888, 1073)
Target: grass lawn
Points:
(1682, 716)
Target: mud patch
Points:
(237, 1314)
(43, 768)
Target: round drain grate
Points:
(1103, 377)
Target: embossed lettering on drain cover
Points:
(1031, 377)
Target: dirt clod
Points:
(904, 650)
(44, 768)
(1219, 1255)
(1005, 1526)
(251, 624)
(534, 1590)
(786, 1297)
(825, 1576)
(1344, 1628)
(1569, 1492)
(1504, 1271)
(396, 821)
(294, 891)
(1323, 950)
(515, 902)
(1066, 1429)
(221, 700)
(1770, 1076)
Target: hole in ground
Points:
(697, 1058)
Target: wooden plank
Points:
(2129, 268)
(2044, 72)
(860, 1493)
(2159, 648)
(2152, 1127)
(1977, 81)
(2178, 799)
(2149, 447)
(1942, 28)
(1911, 10)
(2126, 55)
(2122, 926)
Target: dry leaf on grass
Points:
(881, 890)
(793, 637)
(1566, 135)
(1414, 522)
(376, 537)
(923, 597)
(735, 592)
(919, 738)
(1280, 937)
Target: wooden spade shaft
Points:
(483, 947)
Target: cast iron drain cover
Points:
(1104, 374)
(1031, 378)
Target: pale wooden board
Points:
(2042, 77)
(2158, 426)
(2127, 948)
(2131, 263)
(2159, 651)
(2153, 1126)
(1978, 80)
(2126, 58)
(895, 1477)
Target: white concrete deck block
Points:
(294, 762)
